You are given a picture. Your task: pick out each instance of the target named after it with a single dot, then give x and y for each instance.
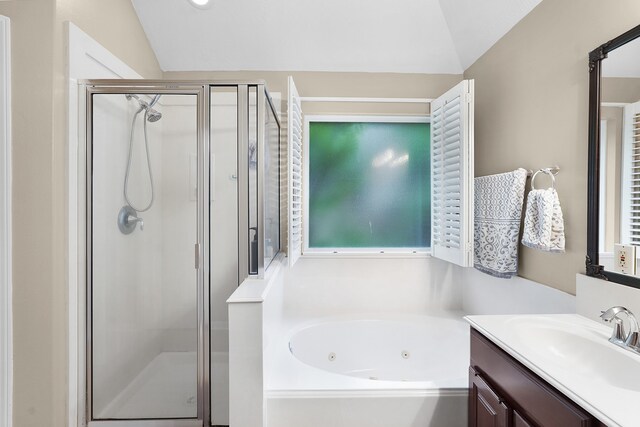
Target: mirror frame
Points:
(593, 178)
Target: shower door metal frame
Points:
(262, 100)
(202, 92)
(265, 101)
(242, 148)
(261, 176)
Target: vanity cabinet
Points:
(504, 393)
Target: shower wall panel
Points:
(224, 240)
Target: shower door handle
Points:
(197, 256)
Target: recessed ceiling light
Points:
(200, 4)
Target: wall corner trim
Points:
(87, 59)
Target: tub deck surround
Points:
(249, 320)
(573, 354)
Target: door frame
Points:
(93, 87)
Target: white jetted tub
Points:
(388, 371)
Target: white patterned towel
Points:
(543, 223)
(497, 211)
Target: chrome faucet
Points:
(627, 340)
(132, 219)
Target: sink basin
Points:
(581, 350)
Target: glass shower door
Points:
(144, 323)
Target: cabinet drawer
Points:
(530, 396)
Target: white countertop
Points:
(572, 353)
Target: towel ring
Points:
(548, 172)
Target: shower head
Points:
(153, 115)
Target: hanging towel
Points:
(497, 212)
(543, 223)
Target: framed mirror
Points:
(613, 210)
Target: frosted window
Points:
(369, 185)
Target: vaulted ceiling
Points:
(402, 36)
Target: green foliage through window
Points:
(369, 185)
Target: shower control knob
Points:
(127, 220)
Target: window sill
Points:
(362, 255)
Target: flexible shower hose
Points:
(146, 146)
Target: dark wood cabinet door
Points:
(537, 402)
(519, 421)
(486, 409)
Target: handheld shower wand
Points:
(129, 211)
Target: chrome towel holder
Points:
(551, 171)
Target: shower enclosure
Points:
(183, 204)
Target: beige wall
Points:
(39, 189)
(115, 25)
(531, 111)
(38, 341)
(327, 84)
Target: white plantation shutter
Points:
(630, 212)
(294, 144)
(634, 183)
(452, 175)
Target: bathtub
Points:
(368, 371)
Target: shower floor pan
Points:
(165, 388)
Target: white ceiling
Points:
(403, 36)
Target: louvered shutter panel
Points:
(631, 177)
(452, 175)
(634, 184)
(294, 144)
